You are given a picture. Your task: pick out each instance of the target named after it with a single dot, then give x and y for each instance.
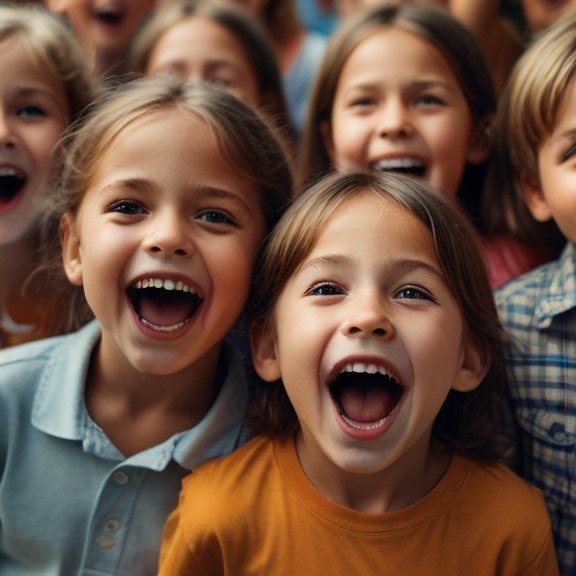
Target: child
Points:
(44, 86)
(373, 308)
(404, 88)
(216, 42)
(168, 191)
(105, 30)
(538, 309)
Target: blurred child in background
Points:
(45, 84)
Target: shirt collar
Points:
(559, 293)
(60, 410)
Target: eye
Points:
(129, 207)
(429, 100)
(413, 293)
(214, 216)
(569, 153)
(362, 102)
(325, 289)
(31, 111)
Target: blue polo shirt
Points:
(70, 502)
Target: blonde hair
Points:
(246, 141)
(464, 423)
(53, 48)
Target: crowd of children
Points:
(276, 301)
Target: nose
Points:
(7, 138)
(169, 234)
(394, 120)
(368, 317)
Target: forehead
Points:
(371, 220)
(389, 50)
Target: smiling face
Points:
(554, 196)
(107, 25)
(368, 341)
(164, 243)
(398, 106)
(33, 115)
(198, 48)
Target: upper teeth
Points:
(10, 172)
(396, 163)
(361, 368)
(166, 284)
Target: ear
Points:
(264, 355)
(480, 144)
(474, 367)
(71, 255)
(534, 198)
(325, 128)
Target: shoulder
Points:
(519, 505)
(528, 287)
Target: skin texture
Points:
(370, 292)
(161, 204)
(198, 48)
(554, 196)
(397, 99)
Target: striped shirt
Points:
(538, 311)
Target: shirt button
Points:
(106, 543)
(112, 524)
(120, 477)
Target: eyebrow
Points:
(405, 264)
(200, 191)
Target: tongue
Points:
(166, 308)
(366, 404)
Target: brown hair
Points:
(466, 422)
(247, 142)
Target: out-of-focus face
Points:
(555, 195)
(199, 48)
(33, 115)
(539, 14)
(399, 107)
(107, 25)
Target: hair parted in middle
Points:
(467, 421)
(247, 141)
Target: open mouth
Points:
(12, 182)
(365, 395)
(108, 16)
(409, 166)
(163, 305)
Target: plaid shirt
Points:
(538, 311)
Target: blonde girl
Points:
(45, 84)
(167, 192)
